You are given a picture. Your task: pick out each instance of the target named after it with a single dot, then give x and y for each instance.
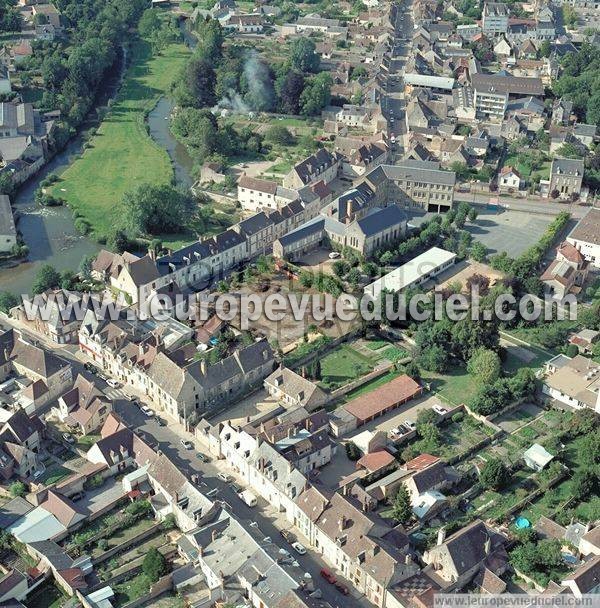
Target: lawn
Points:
(131, 589)
(122, 155)
(343, 365)
(85, 442)
(543, 172)
(456, 386)
(53, 474)
(46, 596)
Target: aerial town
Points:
(164, 163)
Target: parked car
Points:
(68, 438)
(160, 421)
(288, 536)
(411, 426)
(438, 409)
(91, 368)
(203, 457)
(236, 487)
(224, 477)
(342, 588)
(186, 444)
(328, 576)
(113, 383)
(146, 410)
(299, 548)
(334, 255)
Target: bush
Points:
(154, 564)
(82, 226)
(17, 488)
(458, 417)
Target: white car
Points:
(186, 444)
(334, 255)
(224, 477)
(68, 438)
(411, 426)
(299, 548)
(113, 383)
(146, 410)
(438, 409)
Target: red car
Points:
(342, 588)
(328, 576)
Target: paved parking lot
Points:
(510, 231)
(408, 411)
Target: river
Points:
(49, 231)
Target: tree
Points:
(478, 252)
(154, 564)
(149, 23)
(589, 450)
(7, 301)
(412, 369)
(46, 277)
(17, 488)
(584, 484)
(156, 209)
(7, 185)
(280, 135)
(290, 90)
(85, 266)
(426, 416)
(316, 94)
(494, 474)
(303, 55)
(195, 86)
(434, 359)
(402, 509)
(545, 49)
(484, 366)
(352, 451)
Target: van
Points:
(248, 498)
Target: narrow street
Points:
(261, 521)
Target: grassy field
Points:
(455, 386)
(122, 155)
(343, 365)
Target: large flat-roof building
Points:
(575, 382)
(492, 92)
(414, 184)
(586, 236)
(495, 18)
(566, 177)
(415, 272)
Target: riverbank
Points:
(122, 154)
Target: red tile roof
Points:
(389, 395)
(421, 462)
(376, 460)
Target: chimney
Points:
(214, 535)
(408, 560)
(342, 523)
(200, 551)
(290, 432)
(487, 545)
(203, 366)
(152, 253)
(441, 537)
